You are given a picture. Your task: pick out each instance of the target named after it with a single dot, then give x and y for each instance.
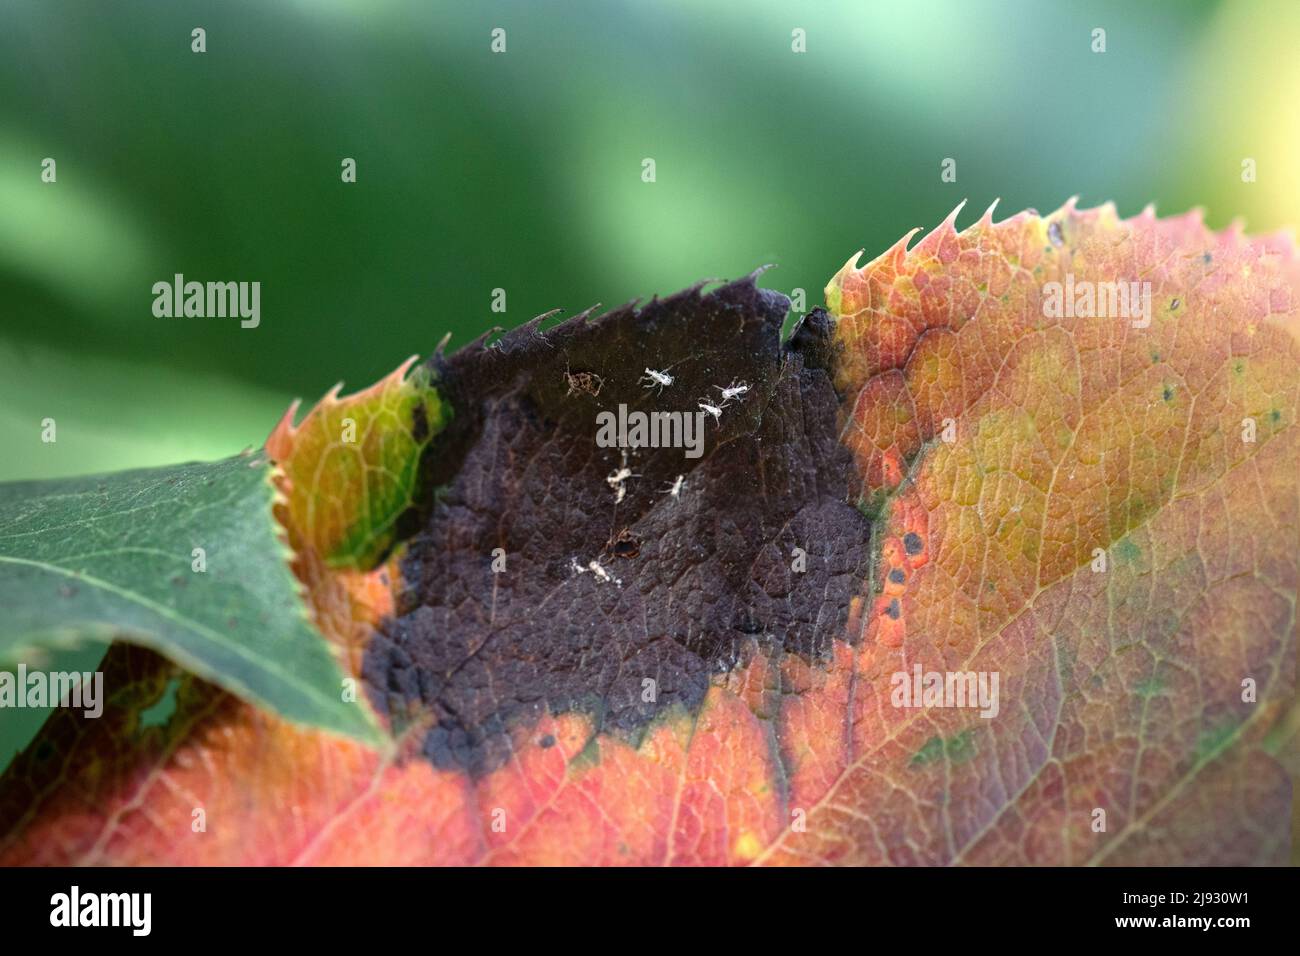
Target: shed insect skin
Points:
(588, 383)
(677, 487)
(713, 410)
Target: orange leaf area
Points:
(1102, 509)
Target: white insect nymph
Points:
(677, 486)
(713, 410)
(732, 391)
(659, 379)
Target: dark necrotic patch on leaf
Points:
(759, 550)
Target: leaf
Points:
(117, 557)
(517, 694)
(349, 470)
(1073, 438)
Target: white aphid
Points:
(678, 485)
(660, 379)
(596, 568)
(616, 478)
(713, 410)
(732, 391)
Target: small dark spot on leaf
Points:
(547, 742)
(1207, 258)
(912, 543)
(1054, 234)
(897, 576)
(1168, 393)
(419, 422)
(1174, 304)
(1275, 414)
(893, 611)
(44, 751)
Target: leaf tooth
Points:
(690, 292)
(950, 223)
(584, 315)
(574, 323)
(520, 337)
(934, 240)
(481, 342)
(280, 441)
(279, 444)
(1196, 217)
(613, 314)
(897, 252)
(393, 378)
(986, 221)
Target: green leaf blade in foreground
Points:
(113, 557)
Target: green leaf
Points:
(114, 557)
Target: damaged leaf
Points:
(594, 653)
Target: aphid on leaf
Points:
(597, 569)
(676, 489)
(616, 478)
(732, 391)
(713, 410)
(660, 379)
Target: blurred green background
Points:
(523, 170)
